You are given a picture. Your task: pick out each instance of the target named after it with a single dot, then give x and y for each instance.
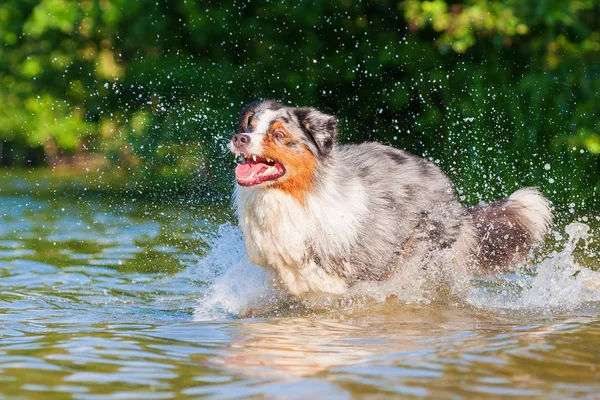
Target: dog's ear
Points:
(321, 129)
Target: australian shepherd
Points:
(323, 216)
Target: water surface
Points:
(139, 299)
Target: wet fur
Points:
(348, 213)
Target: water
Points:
(139, 299)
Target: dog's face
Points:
(281, 146)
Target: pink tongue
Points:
(244, 171)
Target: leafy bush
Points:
(500, 94)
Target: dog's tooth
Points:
(254, 158)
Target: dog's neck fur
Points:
(280, 231)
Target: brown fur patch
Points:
(299, 167)
(245, 119)
(277, 126)
(502, 238)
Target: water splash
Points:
(558, 282)
(234, 284)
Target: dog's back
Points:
(412, 211)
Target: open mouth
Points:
(254, 170)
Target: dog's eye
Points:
(279, 134)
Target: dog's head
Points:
(282, 146)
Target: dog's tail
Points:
(507, 228)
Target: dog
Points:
(324, 216)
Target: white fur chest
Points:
(277, 229)
(274, 226)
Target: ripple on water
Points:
(99, 299)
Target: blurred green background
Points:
(143, 95)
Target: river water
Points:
(140, 299)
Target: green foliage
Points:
(502, 94)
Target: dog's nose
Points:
(240, 140)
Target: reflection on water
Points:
(417, 350)
(102, 298)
